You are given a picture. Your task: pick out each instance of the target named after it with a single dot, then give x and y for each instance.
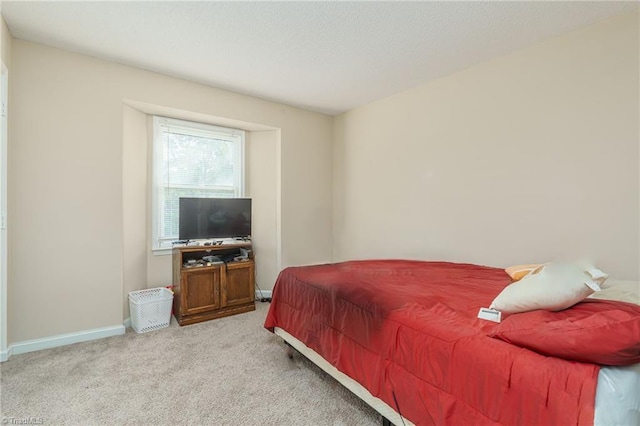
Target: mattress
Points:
(618, 396)
(618, 390)
(406, 333)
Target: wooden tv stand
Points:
(205, 290)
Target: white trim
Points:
(4, 264)
(162, 251)
(195, 128)
(360, 391)
(264, 293)
(240, 172)
(5, 355)
(64, 339)
(156, 175)
(127, 323)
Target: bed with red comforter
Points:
(408, 332)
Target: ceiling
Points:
(323, 56)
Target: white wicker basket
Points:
(150, 309)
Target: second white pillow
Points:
(557, 286)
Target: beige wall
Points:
(135, 157)
(74, 188)
(526, 158)
(5, 43)
(262, 179)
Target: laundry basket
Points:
(150, 309)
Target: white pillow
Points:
(557, 286)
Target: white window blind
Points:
(192, 160)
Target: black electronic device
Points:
(212, 218)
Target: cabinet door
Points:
(200, 291)
(238, 285)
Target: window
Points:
(191, 160)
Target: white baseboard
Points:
(61, 340)
(263, 293)
(127, 323)
(5, 355)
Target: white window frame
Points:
(162, 246)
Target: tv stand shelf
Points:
(207, 290)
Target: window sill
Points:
(161, 251)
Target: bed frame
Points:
(389, 415)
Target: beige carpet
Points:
(229, 371)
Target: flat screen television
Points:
(212, 218)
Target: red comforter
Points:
(407, 331)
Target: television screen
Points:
(210, 218)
